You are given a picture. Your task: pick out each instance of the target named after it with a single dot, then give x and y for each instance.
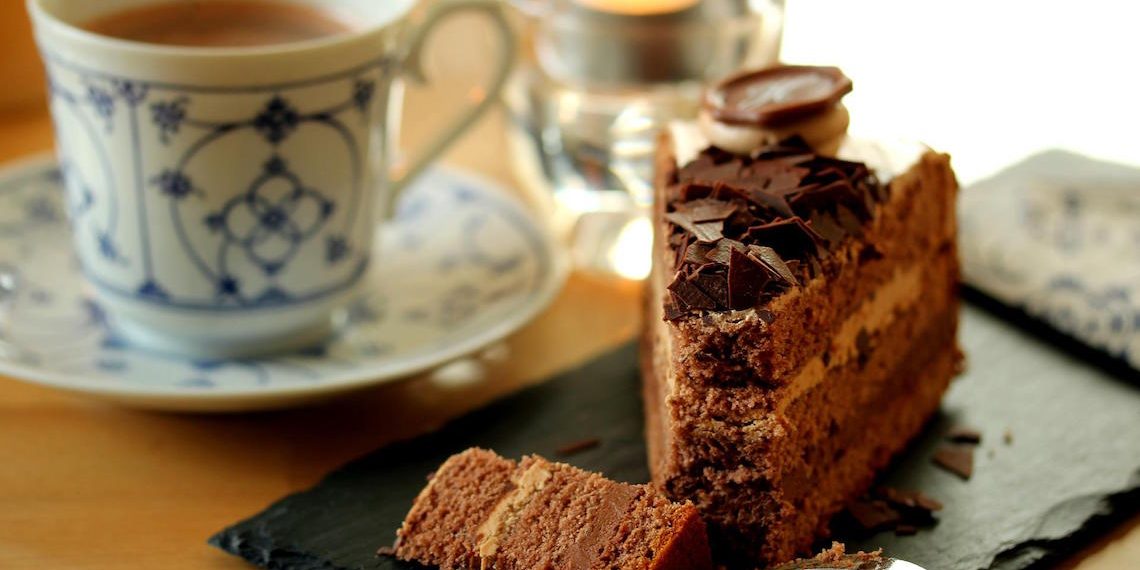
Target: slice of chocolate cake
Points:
(801, 325)
(482, 511)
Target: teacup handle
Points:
(413, 66)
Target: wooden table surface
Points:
(89, 485)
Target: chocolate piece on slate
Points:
(964, 434)
(906, 530)
(873, 515)
(909, 499)
(957, 459)
(578, 446)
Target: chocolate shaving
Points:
(886, 508)
(578, 446)
(790, 237)
(702, 231)
(957, 459)
(747, 277)
(715, 286)
(707, 210)
(869, 253)
(721, 253)
(873, 515)
(964, 434)
(745, 228)
(773, 261)
(914, 503)
(906, 530)
(688, 296)
(697, 253)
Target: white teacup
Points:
(223, 199)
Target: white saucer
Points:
(462, 266)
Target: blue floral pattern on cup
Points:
(255, 226)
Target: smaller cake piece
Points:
(481, 511)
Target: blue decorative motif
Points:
(153, 291)
(107, 247)
(174, 184)
(102, 102)
(336, 249)
(362, 94)
(268, 227)
(41, 209)
(168, 117)
(277, 120)
(133, 92)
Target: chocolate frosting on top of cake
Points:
(776, 95)
(745, 228)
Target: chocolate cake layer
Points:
(482, 511)
(770, 419)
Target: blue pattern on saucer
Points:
(459, 267)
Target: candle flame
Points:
(639, 7)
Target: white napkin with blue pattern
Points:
(1058, 235)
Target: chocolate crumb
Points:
(964, 434)
(906, 530)
(862, 347)
(578, 446)
(957, 459)
(873, 514)
(1007, 436)
(916, 500)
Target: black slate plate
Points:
(1074, 459)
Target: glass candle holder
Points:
(598, 80)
